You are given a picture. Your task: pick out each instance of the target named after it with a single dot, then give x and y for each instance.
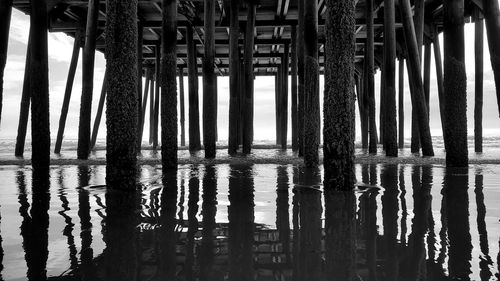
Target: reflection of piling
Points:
(457, 213)
(340, 234)
(37, 240)
(485, 260)
(208, 211)
(390, 208)
(87, 253)
(310, 226)
(194, 194)
(282, 211)
(241, 223)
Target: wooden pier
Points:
(293, 40)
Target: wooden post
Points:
(139, 84)
(391, 129)
(98, 116)
(241, 80)
(339, 127)
(401, 103)
(362, 106)
(418, 20)
(455, 84)
(182, 107)
(152, 104)
(149, 81)
(284, 97)
(121, 112)
(67, 93)
(169, 128)
(311, 84)
(39, 89)
(369, 78)
(158, 90)
(492, 21)
(249, 77)
(5, 16)
(87, 80)
(209, 82)
(300, 75)
(439, 77)
(427, 75)
(234, 66)
(382, 105)
(418, 99)
(478, 105)
(25, 103)
(340, 218)
(194, 112)
(277, 101)
(295, 144)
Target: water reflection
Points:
(310, 233)
(457, 213)
(254, 222)
(241, 223)
(36, 230)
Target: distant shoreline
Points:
(256, 159)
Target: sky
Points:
(60, 50)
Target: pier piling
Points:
(88, 62)
(209, 82)
(39, 88)
(69, 88)
(234, 66)
(169, 125)
(121, 102)
(455, 84)
(311, 84)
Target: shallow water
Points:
(252, 222)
